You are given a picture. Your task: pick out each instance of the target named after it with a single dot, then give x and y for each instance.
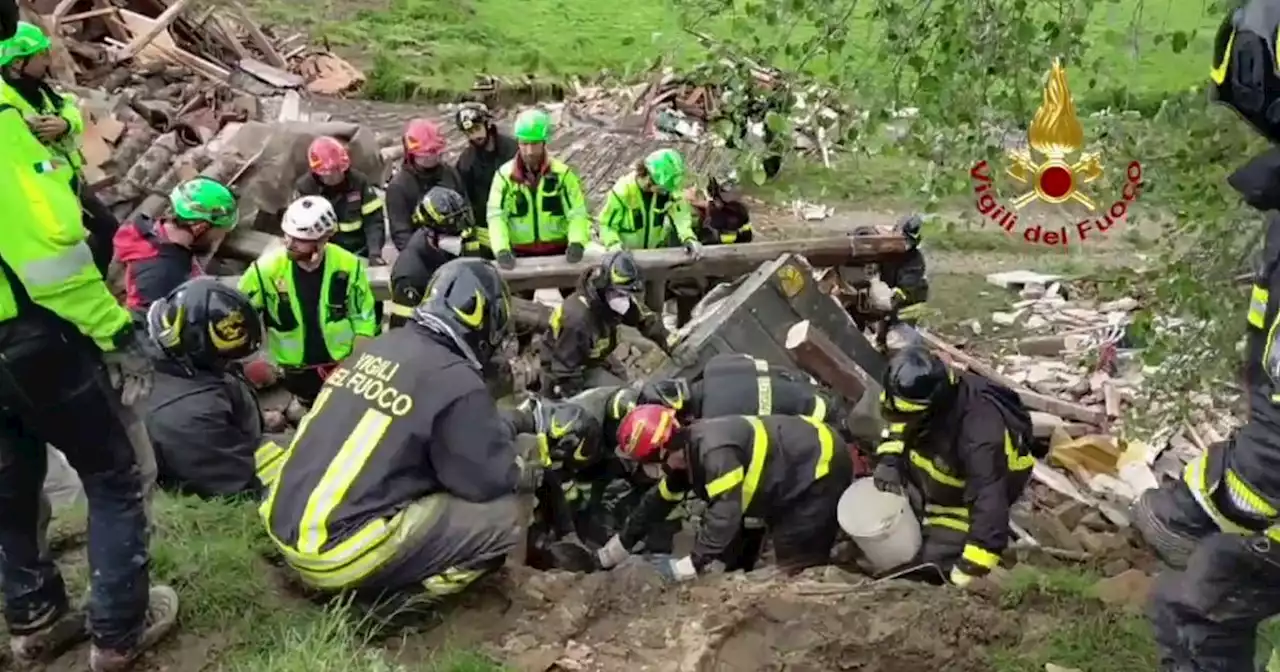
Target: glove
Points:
(574, 254)
(130, 369)
(506, 260)
(887, 476)
(674, 570)
(530, 474)
(375, 260)
(959, 578)
(693, 248)
(612, 553)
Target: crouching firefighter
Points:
(739, 384)
(786, 472)
(577, 351)
(403, 476)
(314, 296)
(442, 212)
(202, 416)
(959, 446)
(1218, 527)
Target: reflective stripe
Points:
(399, 309)
(1017, 461)
(1246, 499)
(267, 460)
(724, 483)
(926, 465)
(943, 521)
(1195, 477)
(371, 207)
(1258, 299)
(349, 227)
(58, 268)
(826, 446)
(342, 472)
(764, 388)
(665, 492)
(759, 446)
(953, 511)
(819, 408)
(451, 581)
(980, 556)
(890, 448)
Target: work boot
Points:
(63, 631)
(162, 615)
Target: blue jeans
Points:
(59, 394)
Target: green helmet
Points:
(27, 40)
(533, 126)
(205, 200)
(666, 169)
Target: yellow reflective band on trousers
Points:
(337, 479)
(953, 517)
(451, 581)
(1241, 495)
(980, 556)
(1258, 299)
(764, 388)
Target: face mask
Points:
(619, 304)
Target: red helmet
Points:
(645, 430)
(328, 156)
(422, 137)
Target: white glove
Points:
(676, 570)
(612, 553)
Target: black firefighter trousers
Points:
(1206, 612)
(58, 392)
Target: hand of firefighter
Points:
(506, 260)
(574, 254)
(675, 570)
(887, 476)
(530, 474)
(612, 553)
(693, 248)
(131, 370)
(375, 260)
(48, 128)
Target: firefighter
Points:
(422, 169)
(71, 358)
(961, 447)
(788, 472)
(361, 225)
(1217, 528)
(719, 218)
(442, 212)
(403, 477)
(26, 64)
(160, 254)
(536, 205)
(577, 349)
(486, 151)
(314, 296)
(739, 384)
(202, 415)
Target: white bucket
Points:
(881, 524)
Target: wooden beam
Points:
(257, 36)
(81, 16)
(818, 356)
(1033, 400)
(161, 24)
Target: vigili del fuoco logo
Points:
(1054, 168)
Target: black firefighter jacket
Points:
(205, 428)
(739, 384)
(584, 332)
(405, 192)
(411, 273)
(742, 466)
(907, 274)
(477, 166)
(405, 416)
(971, 459)
(361, 224)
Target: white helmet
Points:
(309, 218)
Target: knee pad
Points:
(1171, 522)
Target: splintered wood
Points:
(818, 356)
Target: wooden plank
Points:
(822, 359)
(93, 13)
(270, 74)
(161, 24)
(1033, 400)
(256, 35)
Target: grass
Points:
(213, 554)
(436, 47)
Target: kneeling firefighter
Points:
(788, 472)
(442, 212)
(403, 476)
(739, 384)
(1219, 527)
(202, 415)
(577, 351)
(960, 447)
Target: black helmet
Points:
(910, 227)
(1244, 74)
(472, 115)
(622, 401)
(866, 231)
(470, 298)
(570, 432)
(443, 210)
(619, 270)
(205, 323)
(669, 392)
(914, 379)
